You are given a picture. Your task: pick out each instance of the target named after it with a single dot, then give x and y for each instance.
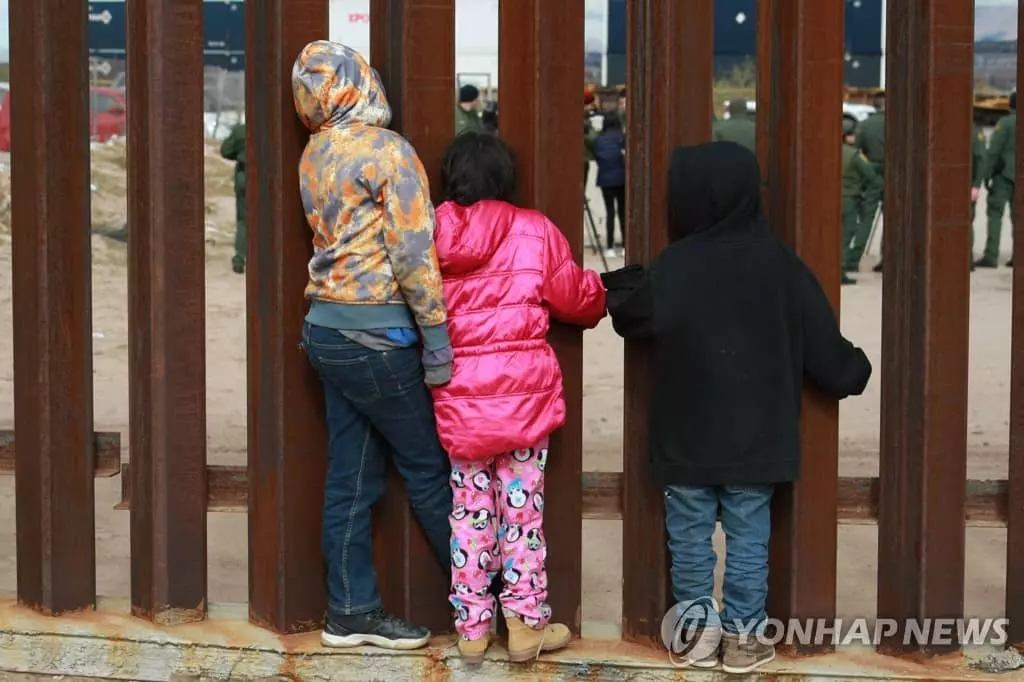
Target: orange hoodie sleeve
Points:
(572, 294)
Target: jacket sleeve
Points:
(572, 294)
(831, 363)
(978, 157)
(867, 174)
(409, 241)
(630, 302)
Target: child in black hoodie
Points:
(737, 323)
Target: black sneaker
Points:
(878, 268)
(986, 263)
(847, 280)
(376, 628)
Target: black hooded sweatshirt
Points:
(737, 323)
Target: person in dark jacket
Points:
(737, 322)
(610, 154)
(233, 149)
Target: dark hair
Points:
(478, 166)
(611, 122)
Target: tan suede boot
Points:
(473, 650)
(526, 643)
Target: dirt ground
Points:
(988, 426)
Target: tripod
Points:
(595, 237)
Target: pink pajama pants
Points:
(497, 518)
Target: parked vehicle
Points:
(855, 111)
(107, 114)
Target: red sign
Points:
(358, 18)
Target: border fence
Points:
(921, 500)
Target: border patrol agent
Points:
(978, 150)
(871, 143)
(859, 180)
(999, 175)
(233, 149)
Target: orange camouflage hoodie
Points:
(367, 200)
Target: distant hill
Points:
(995, 24)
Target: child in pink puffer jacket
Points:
(506, 270)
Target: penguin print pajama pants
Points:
(496, 519)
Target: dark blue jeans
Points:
(690, 516)
(376, 403)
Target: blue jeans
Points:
(376, 403)
(690, 516)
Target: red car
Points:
(107, 115)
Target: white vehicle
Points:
(854, 111)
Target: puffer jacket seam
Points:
(477, 396)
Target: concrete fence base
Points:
(111, 644)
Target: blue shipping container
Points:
(735, 38)
(223, 29)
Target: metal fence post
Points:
(540, 76)
(287, 436)
(670, 84)
(167, 310)
(799, 124)
(925, 309)
(52, 306)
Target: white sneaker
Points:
(611, 253)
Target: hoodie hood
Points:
(714, 188)
(467, 237)
(333, 86)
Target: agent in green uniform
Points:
(999, 174)
(859, 179)
(738, 127)
(978, 150)
(467, 113)
(233, 149)
(871, 143)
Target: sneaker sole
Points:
(705, 665)
(349, 641)
(747, 668)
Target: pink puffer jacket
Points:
(505, 270)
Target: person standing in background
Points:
(589, 135)
(738, 127)
(999, 174)
(233, 149)
(858, 179)
(978, 150)
(871, 143)
(610, 154)
(467, 114)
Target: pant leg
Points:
(355, 472)
(999, 196)
(691, 513)
(620, 200)
(746, 520)
(850, 258)
(474, 540)
(873, 196)
(241, 235)
(521, 535)
(1009, 203)
(974, 213)
(403, 413)
(609, 214)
